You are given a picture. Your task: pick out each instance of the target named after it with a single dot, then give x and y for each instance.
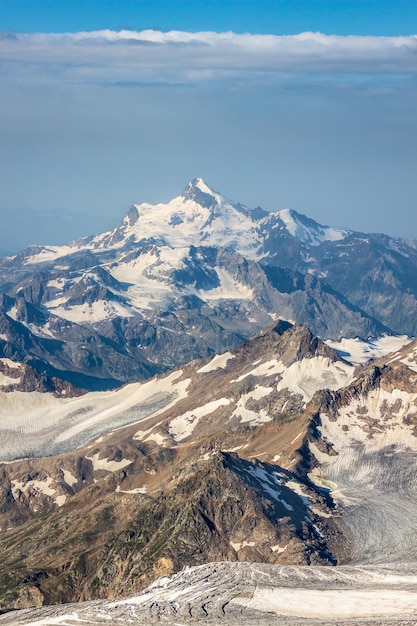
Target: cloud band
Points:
(152, 56)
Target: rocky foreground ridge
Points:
(257, 594)
(278, 451)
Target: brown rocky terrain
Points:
(276, 452)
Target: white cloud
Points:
(129, 57)
(326, 125)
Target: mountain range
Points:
(278, 451)
(195, 424)
(187, 279)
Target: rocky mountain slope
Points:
(238, 386)
(15, 376)
(187, 279)
(278, 451)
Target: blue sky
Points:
(342, 17)
(90, 123)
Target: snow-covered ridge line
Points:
(199, 216)
(308, 231)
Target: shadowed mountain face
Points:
(278, 451)
(190, 278)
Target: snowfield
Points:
(358, 351)
(252, 594)
(309, 375)
(41, 424)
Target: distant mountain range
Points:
(187, 279)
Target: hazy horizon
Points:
(124, 105)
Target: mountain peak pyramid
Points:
(200, 192)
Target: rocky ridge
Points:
(252, 593)
(278, 451)
(15, 376)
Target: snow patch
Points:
(56, 283)
(307, 376)
(90, 313)
(358, 351)
(43, 486)
(141, 490)
(157, 438)
(247, 415)
(11, 364)
(69, 478)
(217, 362)
(279, 549)
(298, 489)
(105, 464)
(410, 360)
(229, 289)
(268, 368)
(182, 426)
(271, 484)
(244, 544)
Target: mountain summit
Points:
(200, 192)
(199, 216)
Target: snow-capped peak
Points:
(199, 185)
(307, 230)
(199, 216)
(200, 192)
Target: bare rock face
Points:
(22, 377)
(112, 538)
(27, 597)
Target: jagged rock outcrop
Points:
(21, 377)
